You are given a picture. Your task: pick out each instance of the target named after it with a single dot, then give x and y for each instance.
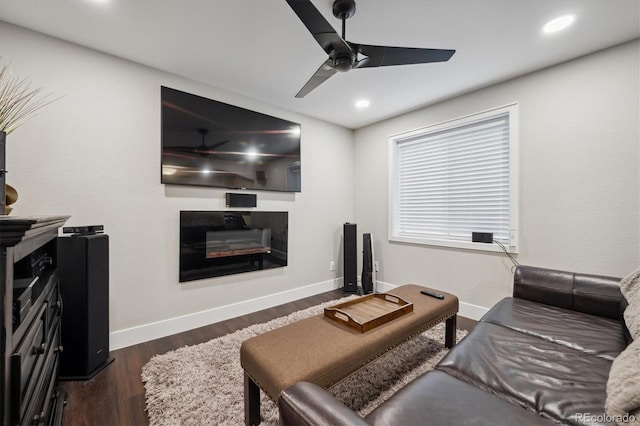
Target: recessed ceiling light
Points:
(252, 154)
(558, 24)
(362, 103)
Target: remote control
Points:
(432, 294)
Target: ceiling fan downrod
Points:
(343, 10)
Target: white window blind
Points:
(453, 179)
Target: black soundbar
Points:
(241, 200)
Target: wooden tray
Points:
(369, 312)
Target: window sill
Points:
(466, 245)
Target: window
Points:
(454, 178)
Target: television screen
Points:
(210, 143)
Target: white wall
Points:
(95, 154)
(579, 181)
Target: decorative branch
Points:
(18, 100)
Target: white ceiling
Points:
(259, 48)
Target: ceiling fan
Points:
(344, 55)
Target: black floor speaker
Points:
(367, 264)
(350, 258)
(83, 268)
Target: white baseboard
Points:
(382, 287)
(473, 312)
(143, 333)
(467, 310)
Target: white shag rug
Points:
(204, 384)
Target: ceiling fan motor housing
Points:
(344, 62)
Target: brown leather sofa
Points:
(540, 357)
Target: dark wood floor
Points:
(115, 396)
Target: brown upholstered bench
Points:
(322, 351)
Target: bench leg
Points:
(251, 402)
(450, 333)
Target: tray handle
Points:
(394, 299)
(341, 316)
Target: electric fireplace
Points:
(216, 243)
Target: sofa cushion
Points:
(600, 336)
(630, 285)
(444, 400)
(623, 386)
(623, 307)
(589, 294)
(632, 319)
(548, 378)
(630, 288)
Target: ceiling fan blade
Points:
(321, 30)
(382, 56)
(321, 75)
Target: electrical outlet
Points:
(376, 266)
(332, 266)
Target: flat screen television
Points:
(210, 143)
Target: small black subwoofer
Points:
(83, 268)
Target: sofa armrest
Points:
(307, 404)
(590, 294)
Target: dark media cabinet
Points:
(31, 311)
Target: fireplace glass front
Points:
(216, 243)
